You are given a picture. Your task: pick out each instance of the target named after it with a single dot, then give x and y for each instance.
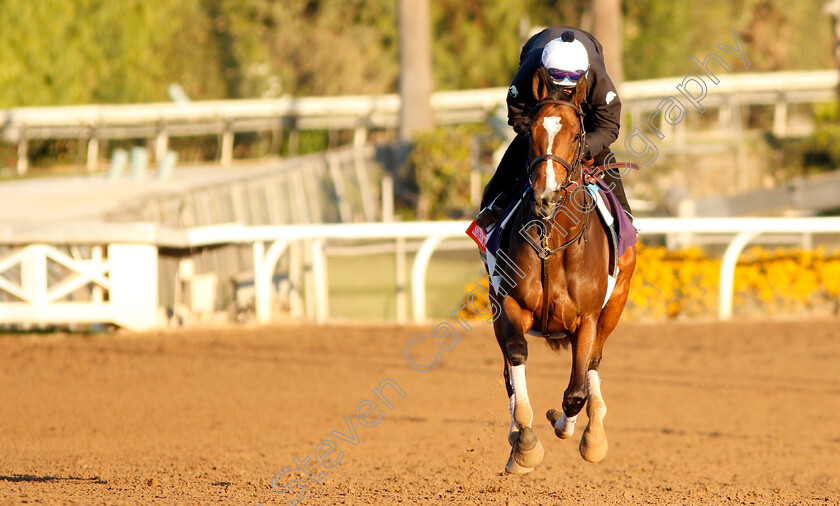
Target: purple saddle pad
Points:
(624, 229)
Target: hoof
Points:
(528, 452)
(513, 437)
(513, 468)
(564, 427)
(593, 444)
(593, 448)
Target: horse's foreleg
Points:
(574, 397)
(593, 444)
(513, 433)
(583, 345)
(527, 451)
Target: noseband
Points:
(571, 168)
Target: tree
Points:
(607, 28)
(86, 51)
(415, 67)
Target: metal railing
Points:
(125, 277)
(160, 121)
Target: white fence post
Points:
(418, 276)
(319, 273)
(264, 264)
(262, 284)
(134, 285)
(93, 152)
(727, 272)
(402, 306)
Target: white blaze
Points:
(552, 126)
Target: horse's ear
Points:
(581, 88)
(540, 84)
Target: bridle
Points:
(571, 168)
(568, 184)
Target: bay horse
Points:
(561, 279)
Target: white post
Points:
(727, 272)
(227, 145)
(319, 273)
(134, 285)
(359, 137)
(92, 153)
(161, 145)
(296, 302)
(97, 294)
(402, 302)
(418, 276)
(388, 198)
(262, 285)
(33, 274)
(22, 153)
(780, 118)
(309, 294)
(264, 264)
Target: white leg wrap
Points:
(520, 390)
(513, 425)
(517, 381)
(593, 393)
(593, 383)
(565, 425)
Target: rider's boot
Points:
(492, 213)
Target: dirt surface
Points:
(699, 413)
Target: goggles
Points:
(562, 75)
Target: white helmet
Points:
(566, 59)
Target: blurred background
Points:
(207, 112)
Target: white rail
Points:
(129, 274)
(360, 113)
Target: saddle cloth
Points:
(621, 233)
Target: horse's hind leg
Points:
(527, 451)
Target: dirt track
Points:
(700, 413)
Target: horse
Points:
(554, 283)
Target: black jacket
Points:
(602, 105)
